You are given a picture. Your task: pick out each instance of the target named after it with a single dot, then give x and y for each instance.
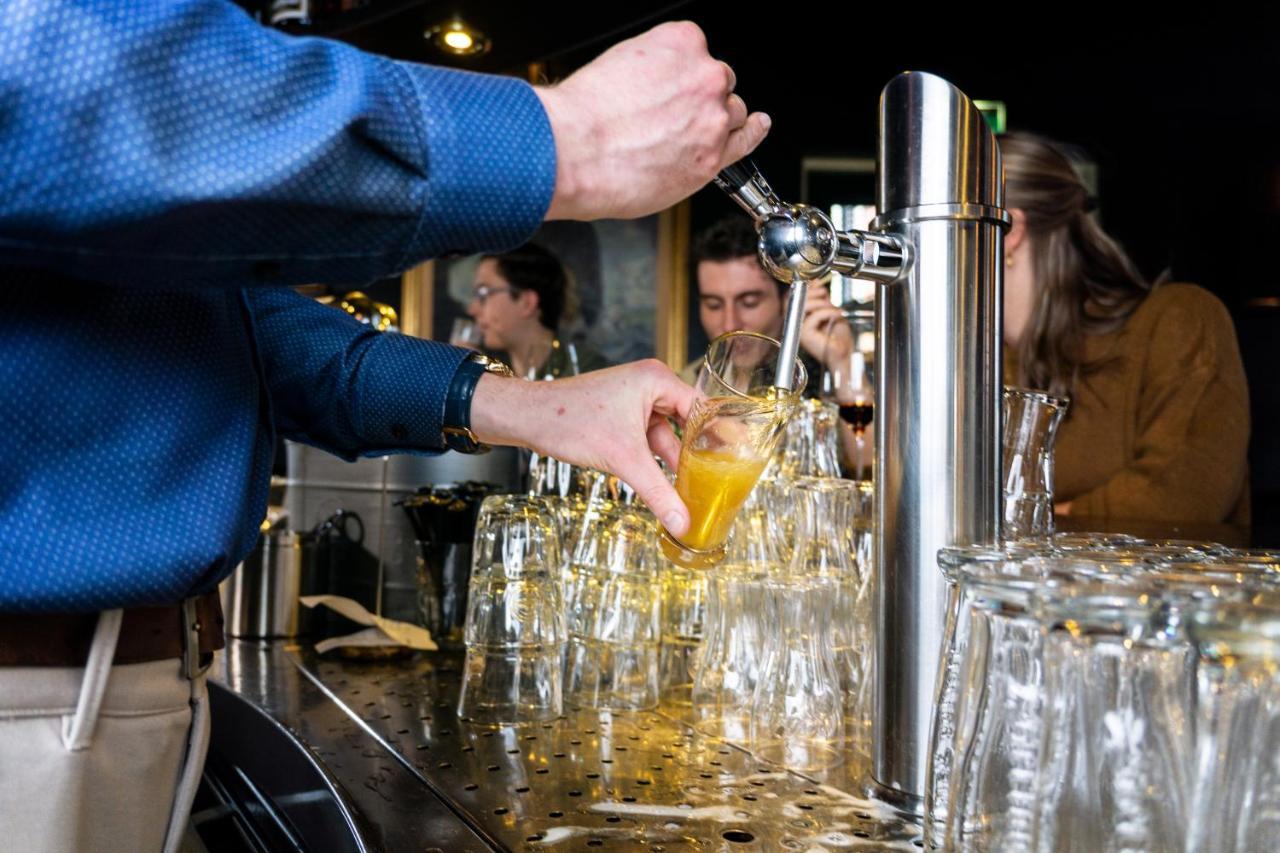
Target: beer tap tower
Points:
(936, 249)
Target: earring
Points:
(1008, 260)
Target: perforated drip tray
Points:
(591, 779)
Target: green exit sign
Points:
(994, 113)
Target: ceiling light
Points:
(457, 38)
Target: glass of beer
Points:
(728, 439)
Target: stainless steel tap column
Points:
(940, 192)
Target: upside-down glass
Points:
(1235, 804)
(1031, 420)
(808, 447)
(992, 693)
(1117, 739)
(614, 609)
(826, 508)
(1120, 738)
(797, 710)
(728, 439)
(684, 604)
(515, 617)
(995, 717)
(735, 631)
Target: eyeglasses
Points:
(484, 291)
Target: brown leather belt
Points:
(146, 634)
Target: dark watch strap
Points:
(457, 403)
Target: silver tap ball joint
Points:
(797, 242)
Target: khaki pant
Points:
(99, 758)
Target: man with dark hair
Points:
(736, 293)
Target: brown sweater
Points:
(1161, 432)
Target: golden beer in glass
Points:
(728, 440)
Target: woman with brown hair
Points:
(1158, 427)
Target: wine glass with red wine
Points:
(847, 379)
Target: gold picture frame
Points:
(670, 262)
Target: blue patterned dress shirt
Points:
(166, 169)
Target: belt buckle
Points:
(192, 665)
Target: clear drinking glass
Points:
(727, 441)
(735, 631)
(848, 381)
(614, 611)
(996, 718)
(941, 762)
(797, 709)
(1117, 749)
(1130, 736)
(1031, 420)
(1235, 803)
(466, 333)
(515, 617)
(684, 605)
(825, 508)
(808, 447)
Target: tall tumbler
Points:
(997, 718)
(797, 709)
(736, 629)
(1235, 804)
(824, 505)
(1031, 421)
(957, 564)
(515, 618)
(809, 444)
(614, 612)
(684, 603)
(1117, 740)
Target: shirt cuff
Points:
(491, 161)
(401, 394)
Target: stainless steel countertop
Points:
(423, 779)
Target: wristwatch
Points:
(457, 404)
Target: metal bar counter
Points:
(411, 775)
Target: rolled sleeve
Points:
(402, 387)
(188, 145)
(344, 387)
(496, 188)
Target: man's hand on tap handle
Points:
(647, 123)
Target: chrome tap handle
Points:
(745, 185)
(798, 242)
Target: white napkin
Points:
(382, 631)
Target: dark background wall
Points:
(1181, 116)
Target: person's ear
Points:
(528, 303)
(1014, 236)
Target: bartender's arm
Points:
(611, 420)
(200, 148)
(341, 386)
